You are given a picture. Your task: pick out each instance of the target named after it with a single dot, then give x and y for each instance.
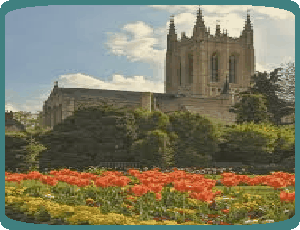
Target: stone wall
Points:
(184, 89)
(166, 102)
(217, 108)
(145, 101)
(63, 102)
(214, 108)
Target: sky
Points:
(120, 47)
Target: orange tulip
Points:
(225, 210)
(158, 196)
(288, 197)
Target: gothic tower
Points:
(204, 64)
(249, 49)
(171, 59)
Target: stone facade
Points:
(63, 102)
(201, 65)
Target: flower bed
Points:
(151, 197)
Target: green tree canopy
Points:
(251, 107)
(267, 86)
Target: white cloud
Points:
(10, 107)
(32, 106)
(119, 82)
(139, 30)
(262, 67)
(287, 59)
(269, 67)
(136, 42)
(183, 24)
(139, 47)
(31, 103)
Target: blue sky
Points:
(119, 47)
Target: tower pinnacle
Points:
(218, 29)
(172, 25)
(199, 22)
(248, 21)
(199, 28)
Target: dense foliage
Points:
(257, 143)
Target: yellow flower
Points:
(49, 196)
(93, 183)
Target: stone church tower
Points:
(204, 64)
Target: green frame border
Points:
(18, 4)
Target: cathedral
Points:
(208, 65)
(204, 74)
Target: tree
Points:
(266, 84)
(33, 121)
(251, 107)
(26, 119)
(286, 92)
(18, 116)
(23, 117)
(286, 82)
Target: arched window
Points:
(214, 68)
(232, 69)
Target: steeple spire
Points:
(172, 36)
(248, 16)
(199, 22)
(248, 21)
(199, 28)
(172, 25)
